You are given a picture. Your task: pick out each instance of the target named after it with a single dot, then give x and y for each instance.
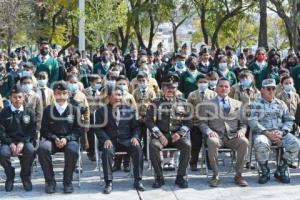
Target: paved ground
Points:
(198, 189)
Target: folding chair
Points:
(220, 150)
(162, 150)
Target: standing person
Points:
(32, 100)
(271, 124)
(17, 130)
(117, 130)
(204, 61)
(143, 96)
(222, 122)
(188, 78)
(44, 62)
(195, 98)
(170, 126)
(61, 131)
(258, 65)
(93, 95)
(45, 93)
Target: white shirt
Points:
(223, 105)
(13, 109)
(61, 109)
(45, 58)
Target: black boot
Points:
(158, 182)
(10, 179)
(265, 173)
(108, 187)
(281, 173)
(138, 185)
(181, 181)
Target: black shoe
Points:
(265, 173)
(181, 182)
(281, 173)
(108, 187)
(27, 185)
(68, 188)
(193, 167)
(138, 185)
(158, 182)
(126, 169)
(91, 157)
(9, 184)
(50, 187)
(171, 167)
(116, 168)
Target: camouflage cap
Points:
(269, 83)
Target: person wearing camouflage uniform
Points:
(271, 124)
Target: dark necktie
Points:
(43, 97)
(225, 106)
(202, 95)
(94, 92)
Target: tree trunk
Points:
(9, 40)
(175, 37)
(263, 36)
(152, 33)
(203, 23)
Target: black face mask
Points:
(291, 64)
(274, 62)
(193, 66)
(44, 52)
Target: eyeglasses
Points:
(270, 88)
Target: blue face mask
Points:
(213, 84)
(26, 87)
(42, 83)
(246, 84)
(180, 64)
(124, 88)
(222, 66)
(288, 88)
(202, 87)
(73, 87)
(275, 70)
(111, 83)
(98, 86)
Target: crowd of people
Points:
(144, 101)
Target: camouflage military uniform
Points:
(269, 116)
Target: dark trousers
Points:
(26, 160)
(183, 145)
(136, 154)
(91, 141)
(143, 129)
(47, 148)
(196, 141)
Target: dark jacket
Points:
(66, 125)
(107, 128)
(15, 128)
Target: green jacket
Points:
(296, 76)
(101, 69)
(50, 66)
(8, 84)
(257, 70)
(231, 77)
(187, 83)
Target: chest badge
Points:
(26, 119)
